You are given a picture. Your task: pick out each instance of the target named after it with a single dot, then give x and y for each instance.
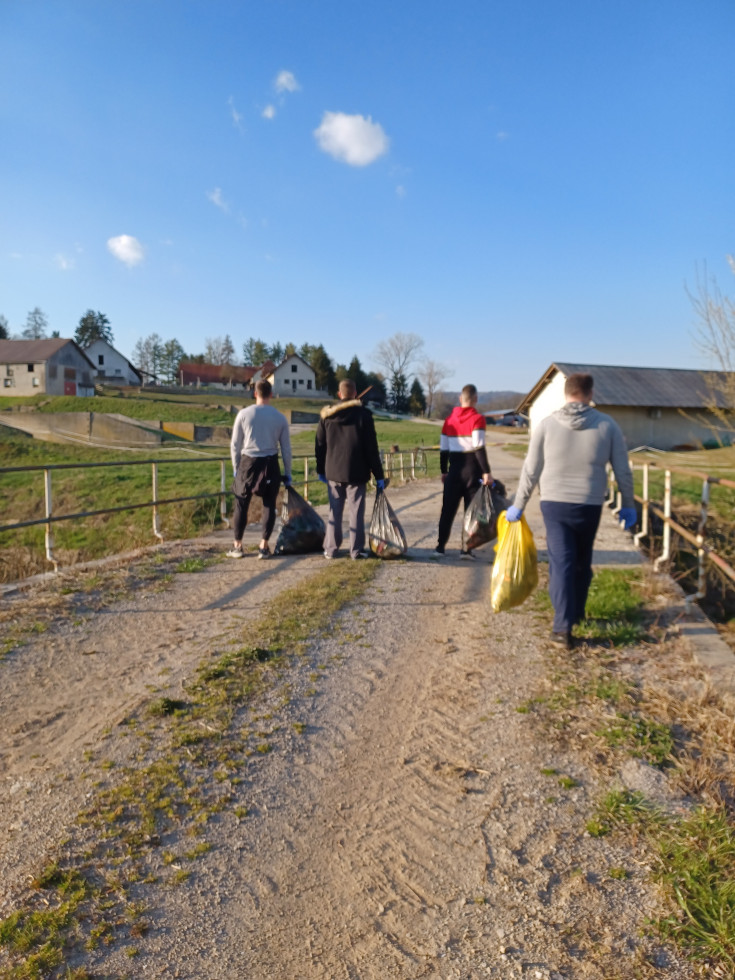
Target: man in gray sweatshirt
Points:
(257, 433)
(567, 457)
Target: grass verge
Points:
(624, 694)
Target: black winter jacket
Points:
(346, 446)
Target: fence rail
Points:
(705, 552)
(401, 465)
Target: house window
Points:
(9, 371)
(30, 369)
(294, 368)
(301, 381)
(36, 382)
(308, 383)
(8, 382)
(52, 372)
(100, 359)
(118, 371)
(70, 374)
(285, 381)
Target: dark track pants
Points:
(570, 537)
(456, 489)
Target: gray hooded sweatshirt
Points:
(568, 454)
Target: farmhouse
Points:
(663, 408)
(50, 366)
(111, 365)
(294, 376)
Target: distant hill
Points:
(489, 400)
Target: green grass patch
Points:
(642, 737)
(614, 608)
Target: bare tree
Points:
(431, 374)
(715, 338)
(36, 325)
(397, 353)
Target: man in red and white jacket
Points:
(464, 462)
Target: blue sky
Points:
(517, 182)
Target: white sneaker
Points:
(235, 553)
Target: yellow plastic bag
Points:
(515, 570)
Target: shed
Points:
(51, 366)
(663, 408)
(294, 376)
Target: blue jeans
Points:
(570, 537)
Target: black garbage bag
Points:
(481, 517)
(302, 529)
(386, 536)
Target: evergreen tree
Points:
(357, 374)
(417, 399)
(93, 326)
(227, 352)
(172, 356)
(254, 352)
(4, 329)
(324, 375)
(399, 392)
(377, 392)
(276, 353)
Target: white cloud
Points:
(236, 116)
(269, 112)
(501, 137)
(63, 263)
(286, 82)
(126, 248)
(400, 191)
(352, 139)
(216, 198)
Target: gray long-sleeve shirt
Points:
(568, 455)
(258, 431)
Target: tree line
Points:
(405, 381)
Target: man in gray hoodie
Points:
(567, 457)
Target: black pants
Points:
(463, 479)
(570, 537)
(260, 477)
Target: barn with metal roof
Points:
(663, 408)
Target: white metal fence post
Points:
(48, 501)
(665, 554)
(154, 488)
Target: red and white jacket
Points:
(463, 432)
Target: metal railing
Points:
(663, 510)
(401, 465)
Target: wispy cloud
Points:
(63, 263)
(351, 139)
(216, 198)
(269, 112)
(127, 249)
(286, 82)
(501, 137)
(236, 116)
(400, 191)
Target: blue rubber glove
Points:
(287, 481)
(322, 478)
(628, 517)
(513, 514)
(380, 484)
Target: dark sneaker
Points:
(438, 552)
(264, 552)
(564, 640)
(468, 555)
(359, 556)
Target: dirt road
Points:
(407, 820)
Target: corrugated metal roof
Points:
(18, 351)
(645, 387)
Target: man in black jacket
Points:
(347, 453)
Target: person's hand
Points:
(380, 484)
(444, 477)
(513, 514)
(321, 477)
(487, 479)
(628, 517)
(287, 481)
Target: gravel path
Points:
(401, 825)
